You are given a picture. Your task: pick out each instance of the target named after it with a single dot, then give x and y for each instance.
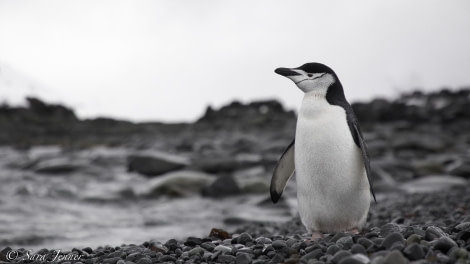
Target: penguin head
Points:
(310, 77)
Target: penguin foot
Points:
(354, 231)
(317, 235)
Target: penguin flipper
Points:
(365, 156)
(282, 173)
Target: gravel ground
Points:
(402, 228)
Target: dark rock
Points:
(444, 244)
(355, 259)
(144, 261)
(365, 242)
(179, 184)
(358, 249)
(458, 253)
(315, 254)
(434, 232)
(172, 244)
(221, 187)
(153, 165)
(88, 250)
(209, 246)
(391, 239)
(462, 170)
(394, 257)
(223, 249)
(345, 242)
(340, 255)
(4, 254)
(193, 241)
(226, 259)
(244, 238)
(390, 228)
(463, 235)
(218, 165)
(243, 258)
(414, 238)
(414, 252)
(278, 244)
(463, 226)
(332, 249)
(196, 251)
(168, 258)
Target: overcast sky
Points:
(167, 60)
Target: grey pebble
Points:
(315, 254)
(365, 242)
(278, 258)
(458, 253)
(355, 259)
(243, 258)
(414, 238)
(223, 249)
(331, 250)
(434, 232)
(345, 242)
(391, 239)
(463, 226)
(264, 240)
(358, 249)
(389, 228)
(121, 261)
(196, 251)
(244, 238)
(168, 258)
(444, 244)
(226, 258)
(144, 261)
(394, 257)
(414, 252)
(193, 241)
(278, 244)
(111, 260)
(209, 246)
(340, 255)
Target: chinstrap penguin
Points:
(328, 155)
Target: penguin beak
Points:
(286, 72)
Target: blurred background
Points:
(124, 121)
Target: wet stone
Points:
(332, 249)
(394, 257)
(391, 239)
(209, 246)
(223, 249)
(345, 242)
(340, 255)
(244, 238)
(358, 249)
(315, 254)
(434, 232)
(278, 244)
(444, 244)
(389, 228)
(414, 252)
(193, 241)
(355, 259)
(144, 261)
(243, 258)
(413, 239)
(365, 242)
(172, 244)
(196, 251)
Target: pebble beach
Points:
(215, 173)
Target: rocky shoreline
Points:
(419, 146)
(413, 228)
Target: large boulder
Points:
(154, 164)
(178, 184)
(223, 186)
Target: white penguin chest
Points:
(325, 152)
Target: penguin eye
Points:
(309, 75)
